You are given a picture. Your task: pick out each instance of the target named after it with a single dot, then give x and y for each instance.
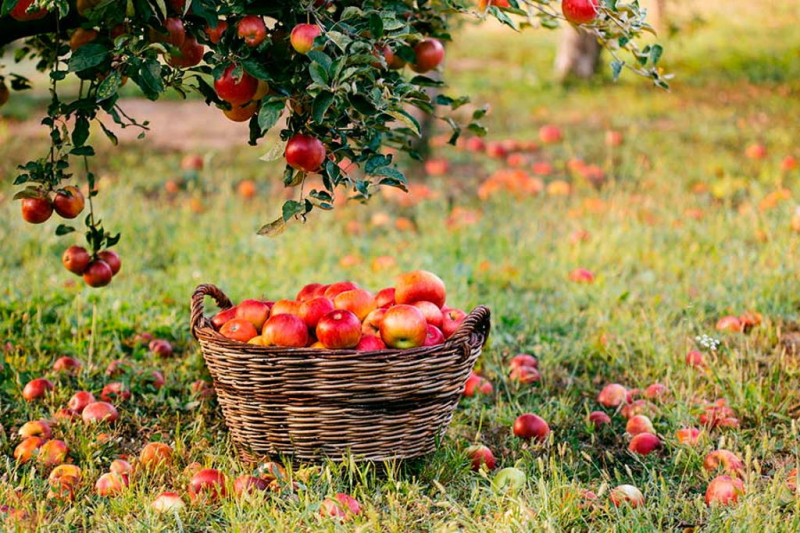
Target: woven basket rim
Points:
(203, 331)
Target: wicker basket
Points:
(309, 404)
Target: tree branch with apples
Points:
(331, 73)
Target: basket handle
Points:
(475, 328)
(223, 302)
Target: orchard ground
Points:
(684, 230)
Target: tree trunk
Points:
(578, 54)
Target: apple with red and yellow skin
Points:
(65, 471)
(238, 330)
(285, 330)
(655, 391)
(80, 400)
(67, 365)
(639, 424)
(223, 316)
(167, 502)
(385, 297)
(286, 307)
(305, 153)
(580, 11)
(695, 359)
(530, 426)
(98, 274)
(523, 359)
(174, 34)
(484, 4)
(480, 455)
(729, 462)
(35, 428)
(252, 30)
(208, 484)
(360, 302)
(111, 484)
(644, 444)
(254, 311)
(370, 343)
(118, 367)
(626, 494)
(235, 91)
(724, 490)
(339, 329)
(690, 436)
(155, 454)
(581, 275)
(599, 419)
(340, 506)
(99, 412)
(429, 54)
(525, 375)
(756, 151)
(312, 310)
(65, 415)
(451, 321)
(69, 202)
(433, 337)
(477, 384)
(302, 37)
(215, 34)
(550, 134)
(309, 292)
(420, 285)
(76, 259)
(115, 390)
(26, 449)
(20, 12)
(334, 289)
(121, 466)
(37, 210)
(52, 453)
(189, 55)
(241, 113)
(729, 323)
(612, 395)
(372, 322)
(37, 388)
(246, 484)
(432, 313)
(403, 327)
(62, 488)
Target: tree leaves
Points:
(88, 56)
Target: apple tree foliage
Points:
(343, 92)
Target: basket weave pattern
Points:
(310, 403)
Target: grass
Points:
(668, 262)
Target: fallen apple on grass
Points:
(724, 490)
(529, 426)
(481, 456)
(626, 494)
(477, 384)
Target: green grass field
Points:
(680, 236)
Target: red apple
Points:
(99, 412)
(37, 388)
(360, 302)
(644, 444)
(372, 322)
(111, 484)
(112, 259)
(80, 400)
(285, 330)
(334, 289)
(65, 415)
(581, 275)
(98, 274)
(207, 483)
(639, 424)
(370, 343)
(695, 359)
(612, 395)
(21, 14)
(434, 336)
(655, 391)
(67, 365)
(305, 153)
(385, 297)
(309, 292)
(476, 384)
(52, 453)
(312, 310)
(156, 454)
(37, 210)
(429, 53)
(153, 378)
(451, 321)
(348, 503)
(35, 428)
(420, 285)
(523, 359)
(404, 327)
(339, 329)
(724, 490)
(481, 455)
(26, 449)
(76, 259)
(729, 323)
(626, 494)
(246, 484)
(223, 316)
(550, 134)
(189, 55)
(755, 151)
(167, 502)
(432, 313)
(599, 419)
(215, 34)
(254, 311)
(252, 30)
(286, 307)
(175, 33)
(690, 436)
(302, 37)
(528, 426)
(238, 330)
(525, 375)
(115, 391)
(236, 91)
(161, 348)
(68, 202)
(330, 507)
(580, 11)
(121, 466)
(729, 462)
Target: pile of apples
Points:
(343, 316)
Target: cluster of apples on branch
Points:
(343, 316)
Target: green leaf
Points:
(150, 79)
(321, 104)
(63, 229)
(406, 118)
(88, 56)
(322, 58)
(80, 132)
(616, 68)
(655, 53)
(8, 5)
(318, 74)
(292, 208)
(83, 150)
(270, 113)
(109, 86)
(376, 26)
(256, 69)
